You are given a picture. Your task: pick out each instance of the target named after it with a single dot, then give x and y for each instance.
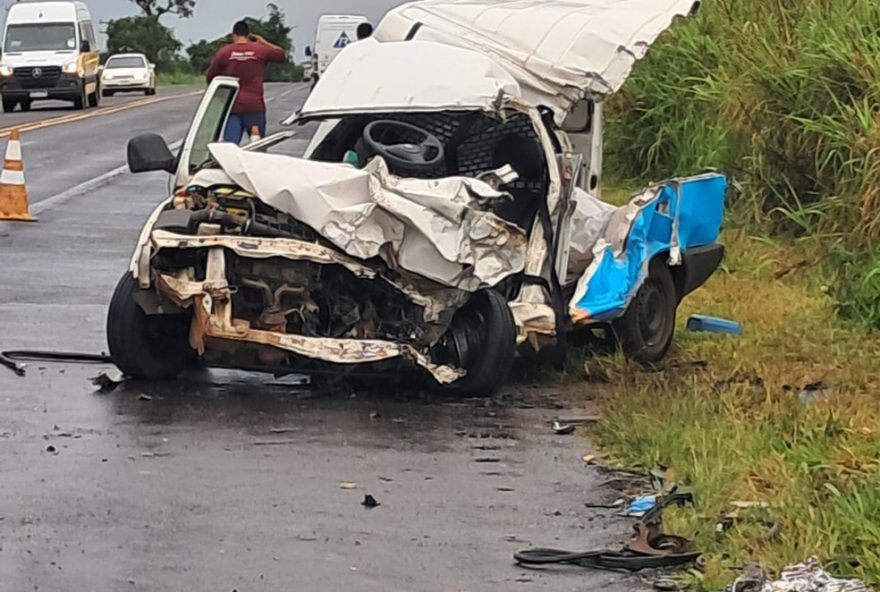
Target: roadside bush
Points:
(785, 96)
(274, 28)
(143, 34)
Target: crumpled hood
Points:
(424, 227)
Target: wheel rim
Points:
(653, 322)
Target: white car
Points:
(128, 72)
(445, 217)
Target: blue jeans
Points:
(240, 125)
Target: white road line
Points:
(84, 187)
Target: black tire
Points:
(9, 105)
(26, 105)
(152, 91)
(146, 347)
(646, 330)
(107, 93)
(80, 102)
(482, 340)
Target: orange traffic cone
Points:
(13, 193)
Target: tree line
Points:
(146, 33)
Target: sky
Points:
(214, 18)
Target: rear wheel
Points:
(481, 340)
(148, 347)
(646, 330)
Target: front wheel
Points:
(147, 347)
(9, 105)
(80, 102)
(646, 329)
(482, 341)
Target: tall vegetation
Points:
(274, 28)
(147, 34)
(785, 96)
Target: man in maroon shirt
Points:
(246, 58)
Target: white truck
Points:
(335, 32)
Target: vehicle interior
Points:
(436, 145)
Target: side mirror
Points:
(150, 152)
(85, 46)
(308, 51)
(580, 118)
(152, 66)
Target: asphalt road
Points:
(229, 481)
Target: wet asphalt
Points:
(227, 481)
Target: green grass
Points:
(784, 96)
(178, 78)
(733, 429)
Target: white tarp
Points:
(425, 227)
(556, 49)
(372, 77)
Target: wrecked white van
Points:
(444, 217)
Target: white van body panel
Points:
(335, 32)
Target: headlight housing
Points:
(71, 68)
(140, 75)
(108, 76)
(6, 71)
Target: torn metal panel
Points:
(263, 248)
(140, 260)
(676, 214)
(295, 250)
(213, 318)
(533, 320)
(537, 252)
(591, 218)
(425, 227)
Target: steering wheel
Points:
(403, 145)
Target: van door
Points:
(207, 127)
(90, 60)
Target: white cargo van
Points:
(49, 52)
(335, 32)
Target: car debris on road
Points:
(649, 547)
(370, 502)
(808, 576)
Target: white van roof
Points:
(341, 19)
(558, 50)
(48, 12)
